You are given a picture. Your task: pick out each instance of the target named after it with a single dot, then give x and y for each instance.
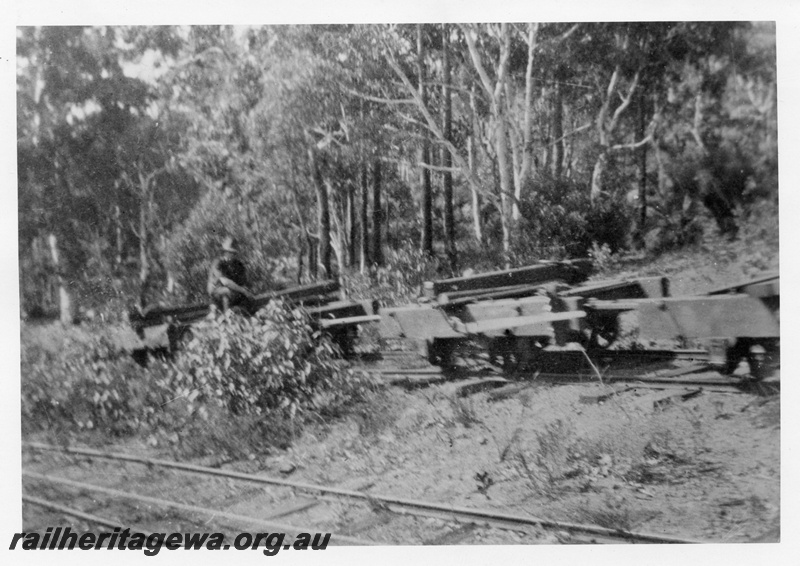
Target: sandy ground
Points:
(706, 468)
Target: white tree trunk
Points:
(65, 305)
(597, 176)
(476, 198)
(506, 185)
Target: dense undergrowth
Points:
(239, 385)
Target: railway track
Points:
(635, 368)
(375, 504)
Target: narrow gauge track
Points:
(214, 514)
(399, 506)
(618, 367)
(675, 354)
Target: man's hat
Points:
(229, 245)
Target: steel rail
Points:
(72, 512)
(453, 511)
(434, 375)
(644, 355)
(282, 527)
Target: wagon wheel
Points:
(757, 353)
(603, 330)
(441, 351)
(500, 354)
(514, 353)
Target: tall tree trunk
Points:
(377, 213)
(526, 163)
(606, 124)
(495, 92)
(352, 228)
(313, 260)
(642, 174)
(305, 240)
(558, 130)
(323, 216)
(597, 174)
(506, 185)
(365, 255)
(447, 161)
(472, 142)
(65, 307)
(426, 245)
(144, 262)
(162, 252)
(300, 265)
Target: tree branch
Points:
(572, 133)
(625, 101)
(438, 168)
(432, 124)
(601, 116)
(633, 145)
(486, 83)
(502, 64)
(569, 32)
(379, 99)
(697, 122)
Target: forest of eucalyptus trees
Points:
(330, 149)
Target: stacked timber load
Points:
(509, 283)
(495, 306)
(312, 294)
(518, 310)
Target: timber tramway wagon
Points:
(532, 318)
(528, 316)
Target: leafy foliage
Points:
(83, 382)
(398, 281)
(559, 220)
(241, 383)
(271, 361)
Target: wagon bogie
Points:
(762, 355)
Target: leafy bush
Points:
(604, 260)
(240, 384)
(271, 361)
(83, 383)
(398, 281)
(559, 220)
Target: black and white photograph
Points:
(442, 279)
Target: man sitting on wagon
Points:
(227, 280)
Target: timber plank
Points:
(505, 309)
(570, 272)
(485, 326)
(642, 288)
(716, 316)
(768, 282)
(348, 321)
(424, 323)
